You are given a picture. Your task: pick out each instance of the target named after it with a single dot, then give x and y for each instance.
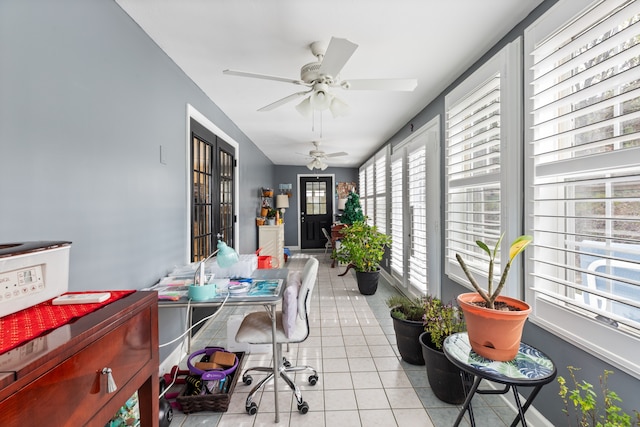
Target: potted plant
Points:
(271, 216)
(407, 315)
(441, 320)
(494, 322)
(582, 402)
(362, 248)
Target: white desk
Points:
(270, 303)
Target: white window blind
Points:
(381, 192)
(396, 197)
(369, 208)
(362, 189)
(584, 171)
(482, 174)
(417, 192)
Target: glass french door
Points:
(414, 194)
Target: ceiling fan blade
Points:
(262, 76)
(338, 154)
(336, 56)
(407, 85)
(283, 101)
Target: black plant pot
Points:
(367, 281)
(444, 376)
(407, 337)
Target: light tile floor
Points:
(363, 381)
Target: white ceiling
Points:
(433, 41)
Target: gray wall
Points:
(86, 101)
(561, 352)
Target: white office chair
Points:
(256, 329)
(327, 244)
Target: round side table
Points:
(530, 368)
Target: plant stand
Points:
(530, 368)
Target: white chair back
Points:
(308, 281)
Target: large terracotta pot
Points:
(444, 377)
(407, 335)
(494, 334)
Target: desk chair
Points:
(327, 244)
(292, 325)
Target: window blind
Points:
(473, 173)
(585, 146)
(381, 192)
(397, 196)
(369, 208)
(417, 192)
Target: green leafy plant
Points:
(362, 246)
(405, 308)
(490, 296)
(271, 213)
(352, 210)
(582, 401)
(441, 320)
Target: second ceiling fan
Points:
(324, 74)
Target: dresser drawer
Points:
(75, 388)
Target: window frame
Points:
(508, 64)
(550, 312)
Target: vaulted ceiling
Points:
(433, 41)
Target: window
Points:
(483, 171)
(584, 176)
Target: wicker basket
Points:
(210, 402)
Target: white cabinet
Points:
(271, 240)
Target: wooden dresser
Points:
(57, 380)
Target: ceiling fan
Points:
(319, 157)
(324, 74)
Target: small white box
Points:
(233, 324)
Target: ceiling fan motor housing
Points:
(310, 72)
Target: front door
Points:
(316, 210)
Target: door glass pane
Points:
(316, 198)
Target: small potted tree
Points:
(441, 320)
(407, 315)
(362, 248)
(494, 322)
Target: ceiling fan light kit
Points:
(317, 164)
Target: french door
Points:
(212, 184)
(415, 211)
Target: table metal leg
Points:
(467, 402)
(523, 408)
(276, 361)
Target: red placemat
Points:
(30, 323)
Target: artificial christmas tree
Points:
(352, 209)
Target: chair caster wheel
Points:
(247, 379)
(252, 409)
(303, 408)
(313, 379)
(286, 364)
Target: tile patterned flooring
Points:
(363, 381)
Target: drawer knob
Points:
(111, 384)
